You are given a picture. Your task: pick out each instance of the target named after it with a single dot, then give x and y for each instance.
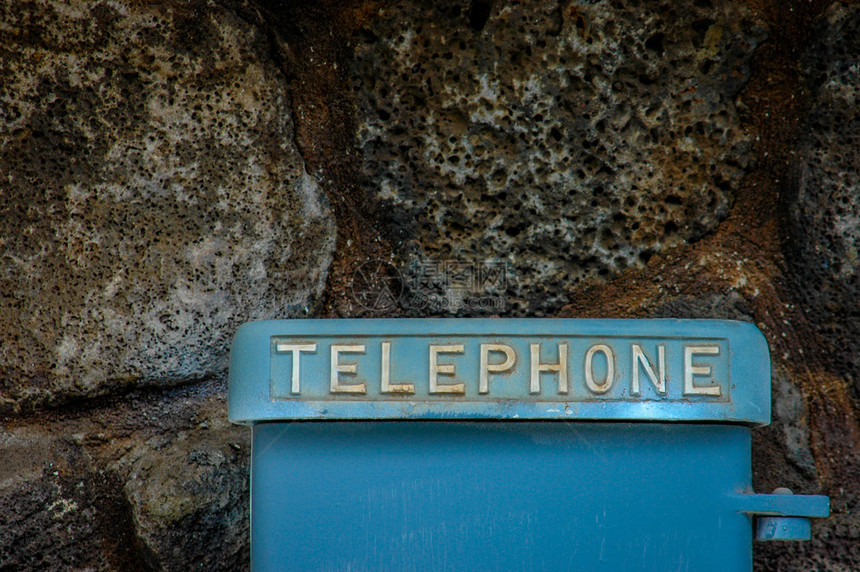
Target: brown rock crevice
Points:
(313, 49)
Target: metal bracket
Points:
(783, 515)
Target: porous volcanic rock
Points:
(151, 200)
(53, 514)
(826, 212)
(567, 139)
(189, 499)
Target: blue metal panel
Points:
(500, 496)
(681, 370)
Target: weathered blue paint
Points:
(499, 475)
(260, 375)
(500, 496)
(770, 528)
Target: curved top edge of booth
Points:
(677, 327)
(715, 370)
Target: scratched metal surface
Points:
(710, 370)
(500, 496)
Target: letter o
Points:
(604, 386)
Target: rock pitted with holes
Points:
(152, 197)
(568, 139)
(826, 215)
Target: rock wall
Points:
(169, 171)
(570, 141)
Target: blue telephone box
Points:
(519, 444)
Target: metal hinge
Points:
(783, 515)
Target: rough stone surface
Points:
(827, 212)
(730, 306)
(790, 417)
(151, 198)
(568, 139)
(142, 483)
(189, 499)
(53, 514)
